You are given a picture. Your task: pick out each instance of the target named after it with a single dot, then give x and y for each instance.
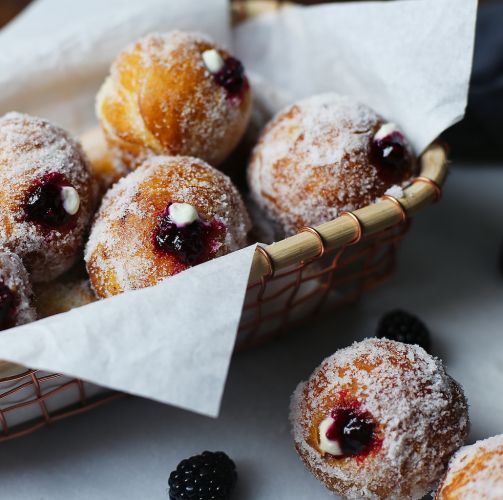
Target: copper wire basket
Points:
(290, 282)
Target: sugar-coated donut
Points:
(174, 94)
(47, 194)
(475, 472)
(15, 292)
(323, 155)
(106, 171)
(169, 214)
(379, 419)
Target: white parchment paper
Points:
(171, 343)
(56, 54)
(409, 59)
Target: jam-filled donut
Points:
(47, 194)
(323, 155)
(379, 419)
(475, 472)
(174, 94)
(169, 214)
(15, 292)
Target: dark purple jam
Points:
(44, 203)
(232, 76)
(190, 243)
(7, 307)
(353, 430)
(391, 151)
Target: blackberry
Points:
(209, 476)
(404, 327)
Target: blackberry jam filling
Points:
(389, 148)
(231, 76)
(180, 231)
(228, 73)
(7, 307)
(52, 202)
(347, 433)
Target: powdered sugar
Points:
(313, 161)
(14, 276)
(395, 191)
(161, 98)
(475, 472)
(159, 48)
(420, 410)
(29, 148)
(121, 240)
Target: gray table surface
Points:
(447, 274)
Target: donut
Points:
(67, 292)
(475, 472)
(47, 195)
(379, 419)
(170, 214)
(323, 155)
(105, 170)
(15, 292)
(174, 94)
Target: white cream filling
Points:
(385, 130)
(71, 200)
(183, 214)
(213, 60)
(327, 445)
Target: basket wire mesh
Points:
(272, 306)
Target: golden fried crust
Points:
(13, 275)
(161, 99)
(313, 160)
(121, 254)
(69, 291)
(105, 170)
(420, 415)
(31, 148)
(476, 471)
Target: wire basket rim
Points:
(422, 191)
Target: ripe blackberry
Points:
(404, 327)
(209, 476)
